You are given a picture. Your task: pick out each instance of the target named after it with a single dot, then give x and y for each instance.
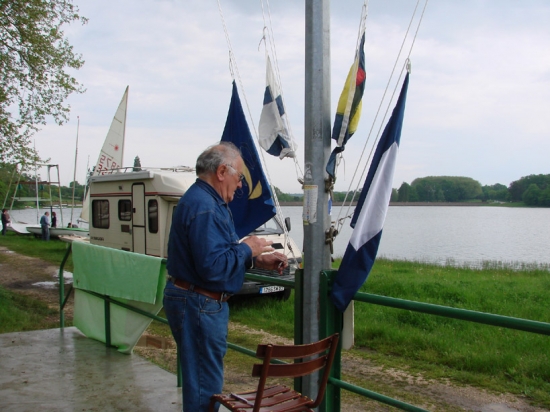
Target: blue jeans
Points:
(199, 326)
(45, 233)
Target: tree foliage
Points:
(518, 187)
(340, 197)
(533, 190)
(284, 197)
(403, 193)
(9, 177)
(67, 192)
(446, 189)
(394, 195)
(34, 59)
(137, 164)
(14, 183)
(495, 192)
(544, 197)
(531, 195)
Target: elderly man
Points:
(45, 225)
(206, 265)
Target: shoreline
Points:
(299, 203)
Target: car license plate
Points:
(271, 289)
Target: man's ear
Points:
(220, 172)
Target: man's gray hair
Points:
(216, 155)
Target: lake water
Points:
(32, 217)
(439, 234)
(453, 234)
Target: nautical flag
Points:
(348, 111)
(252, 205)
(274, 134)
(370, 213)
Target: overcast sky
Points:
(478, 100)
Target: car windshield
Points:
(269, 227)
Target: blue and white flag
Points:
(274, 133)
(370, 213)
(252, 205)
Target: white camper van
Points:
(132, 210)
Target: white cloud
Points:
(477, 103)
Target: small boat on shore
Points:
(56, 232)
(18, 227)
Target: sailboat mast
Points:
(74, 173)
(36, 188)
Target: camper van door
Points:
(138, 218)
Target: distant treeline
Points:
(27, 188)
(533, 190)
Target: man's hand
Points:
(258, 245)
(272, 261)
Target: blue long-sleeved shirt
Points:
(44, 221)
(203, 247)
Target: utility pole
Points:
(317, 150)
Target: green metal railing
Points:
(462, 314)
(330, 321)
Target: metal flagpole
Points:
(317, 151)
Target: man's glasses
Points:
(241, 176)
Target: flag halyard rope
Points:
(406, 66)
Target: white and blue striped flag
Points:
(274, 132)
(370, 213)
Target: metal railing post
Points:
(62, 287)
(298, 318)
(107, 306)
(331, 322)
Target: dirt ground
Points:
(36, 278)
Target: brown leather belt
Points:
(221, 296)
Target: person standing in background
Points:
(45, 224)
(54, 219)
(5, 221)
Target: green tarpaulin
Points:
(132, 278)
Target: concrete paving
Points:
(62, 370)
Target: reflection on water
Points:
(456, 235)
(67, 276)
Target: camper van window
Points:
(125, 210)
(100, 214)
(153, 214)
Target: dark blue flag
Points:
(252, 205)
(370, 213)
